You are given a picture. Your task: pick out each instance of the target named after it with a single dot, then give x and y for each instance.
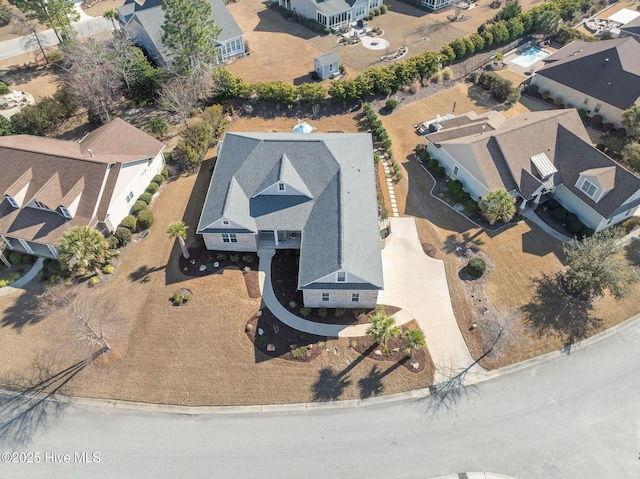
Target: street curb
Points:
(323, 406)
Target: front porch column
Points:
(25, 245)
(536, 201)
(275, 237)
(522, 206)
(53, 251)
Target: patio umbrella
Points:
(303, 127)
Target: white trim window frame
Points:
(341, 277)
(355, 297)
(12, 202)
(325, 297)
(229, 238)
(589, 188)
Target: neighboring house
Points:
(332, 13)
(313, 192)
(142, 21)
(631, 29)
(326, 65)
(599, 77)
(536, 156)
(51, 185)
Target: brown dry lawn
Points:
(521, 254)
(196, 354)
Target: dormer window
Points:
(589, 188)
(342, 277)
(11, 201)
(42, 206)
(65, 212)
(225, 222)
(280, 186)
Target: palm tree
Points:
(82, 249)
(415, 340)
(179, 230)
(382, 328)
(498, 205)
(111, 15)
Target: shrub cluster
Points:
(40, 118)
(464, 198)
(377, 127)
(197, 138)
(501, 88)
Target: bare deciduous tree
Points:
(180, 95)
(28, 28)
(85, 317)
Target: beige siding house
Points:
(599, 77)
(51, 185)
(312, 192)
(536, 156)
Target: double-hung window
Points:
(229, 238)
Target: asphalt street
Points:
(576, 416)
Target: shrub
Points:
(138, 206)
(552, 204)
(123, 235)
(4, 89)
(446, 74)
(248, 258)
(596, 120)
(376, 11)
(570, 217)
(455, 187)
(304, 312)
(322, 312)
(293, 304)
(586, 231)
(545, 95)
(158, 127)
(391, 104)
(433, 164)
(146, 197)
(165, 173)
(300, 352)
(383, 9)
(107, 269)
(158, 179)
(476, 267)
(53, 266)
(582, 112)
(575, 226)
(558, 101)
(630, 224)
(27, 259)
(15, 258)
(94, 281)
(532, 90)
(440, 172)
(113, 242)
(145, 219)
(234, 258)
(152, 188)
(559, 214)
(339, 312)
(608, 126)
(129, 222)
(221, 257)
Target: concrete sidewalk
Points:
(413, 282)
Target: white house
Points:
(312, 192)
(332, 13)
(142, 21)
(51, 185)
(536, 156)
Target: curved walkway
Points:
(16, 285)
(413, 281)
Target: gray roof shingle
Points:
(608, 70)
(337, 211)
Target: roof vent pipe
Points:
(90, 152)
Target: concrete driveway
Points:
(417, 283)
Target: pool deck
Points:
(509, 57)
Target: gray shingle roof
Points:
(338, 217)
(151, 17)
(608, 70)
(328, 58)
(504, 157)
(632, 27)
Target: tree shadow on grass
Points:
(331, 384)
(142, 273)
(551, 312)
(35, 405)
(463, 244)
(371, 385)
(632, 252)
(23, 311)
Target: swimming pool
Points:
(529, 57)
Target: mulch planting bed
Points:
(204, 262)
(281, 339)
(397, 351)
(284, 278)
